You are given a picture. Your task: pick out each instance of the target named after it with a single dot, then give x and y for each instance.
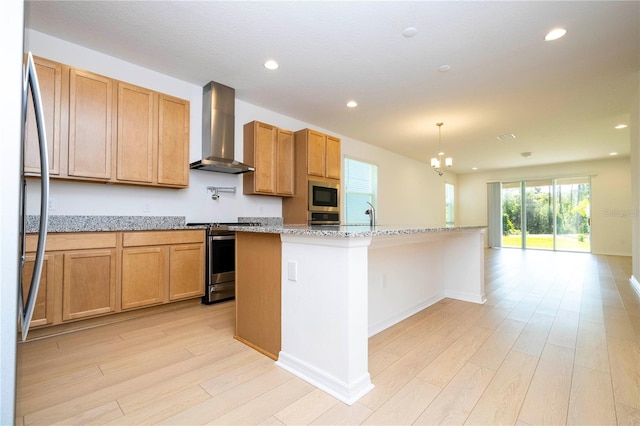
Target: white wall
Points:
(610, 198)
(409, 192)
(634, 127)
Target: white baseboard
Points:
(635, 284)
(377, 328)
(348, 393)
(465, 297)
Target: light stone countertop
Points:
(67, 223)
(348, 231)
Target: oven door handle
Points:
(222, 237)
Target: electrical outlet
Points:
(292, 271)
(52, 204)
(146, 208)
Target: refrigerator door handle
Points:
(26, 309)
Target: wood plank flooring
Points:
(558, 342)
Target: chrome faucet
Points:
(372, 215)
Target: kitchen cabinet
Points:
(89, 283)
(258, 275)
(43, 311)
(90, 110)
(317, 158)
(173, 141)
(78, 277)
(104, 130)
(50, 82)
(270, 150)
(90, 274)
(161, 266)
(143, 277)
(153, 138)
(322, 153)
(136, 155)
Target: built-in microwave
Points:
(324, 197)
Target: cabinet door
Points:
(90, 125)
(43, 312)
(265, 159)
(186, 271)
(89, 283)
(135, 155)
(143, 277)
(316, 143)
(285, 173)
(333, 158)
(173, 141)
(49, 80)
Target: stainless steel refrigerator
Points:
(14, 86)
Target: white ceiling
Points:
(561, 99)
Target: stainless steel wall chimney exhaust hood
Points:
(218, 129)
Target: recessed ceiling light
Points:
(444, 68)
(271, 65)
(352, 104)
(613, 153)
(621, 126)
(506, 137)
(409, 32)
(555, 34)
(474, 168)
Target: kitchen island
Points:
(341, 284)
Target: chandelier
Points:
(439, 161)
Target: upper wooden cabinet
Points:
(50, 82)
(90, 125)
(270, 151)
(322, 153)
(101, 129)
(136, 155)
(153, 137)
(173, 141)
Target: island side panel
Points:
(405, 277)
(324, 313)
(463, 266)
(258, 260)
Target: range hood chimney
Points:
(218, 124)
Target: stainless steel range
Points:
(221, 261)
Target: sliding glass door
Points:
(547, 214)
(539, 218)
(573, 230)
(512, 214)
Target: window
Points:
(361, 186)
(449, 204)
(549, 214)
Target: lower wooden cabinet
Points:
(161, 266)
(43, 311)
(88, 284)
(186, 271)
(100, 273)
(143, 277)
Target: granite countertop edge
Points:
(346, 231)
(68, 223)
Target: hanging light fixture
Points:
(440, 160)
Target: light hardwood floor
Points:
(558, 342)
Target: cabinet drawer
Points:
(152, 238)
(73, 241)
